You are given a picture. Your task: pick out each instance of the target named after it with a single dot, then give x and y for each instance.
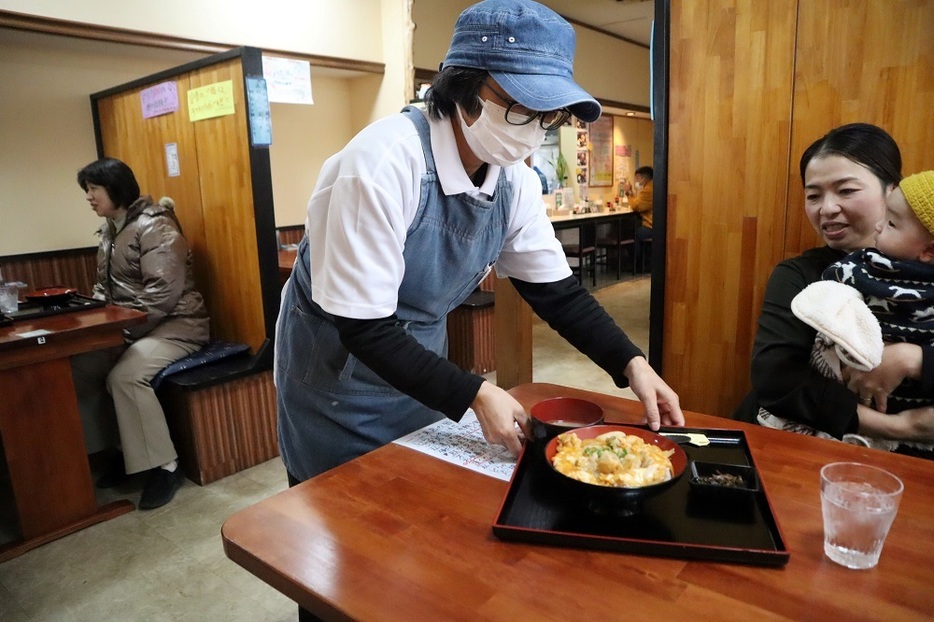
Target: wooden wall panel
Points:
(227, 203)
(213, 193)
(730, 105)
(751, 85)
(75, 268)
(869, 61)
(141, 144)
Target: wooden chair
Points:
(644, 249)
(646, 253)
(585, 251)
(616, 236)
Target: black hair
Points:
(452, 86)
(644, 171)
(114, 176)
(865, 144)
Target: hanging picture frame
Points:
(601, 151)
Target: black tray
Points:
(675, 523)
(33, 310)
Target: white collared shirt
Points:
(367, 197)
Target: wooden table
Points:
(398, 535)
(40, 425)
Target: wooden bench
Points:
(222, 416)
(471, 333)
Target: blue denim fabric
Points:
(332, 408)
(529, 51)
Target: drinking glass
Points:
(9, 295)
(859, 503)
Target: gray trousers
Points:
(113, 387)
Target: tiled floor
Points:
(168, 564)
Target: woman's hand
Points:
(498, 413)
(914, 424)
(660, 402)
(899, 361)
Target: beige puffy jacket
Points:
(147, 266)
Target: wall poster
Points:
(601, 151)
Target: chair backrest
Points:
(588, 234)
(628, 224)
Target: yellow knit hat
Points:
(919, 192)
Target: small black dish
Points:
(725, 482)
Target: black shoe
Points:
(114, 473)
(160, 487)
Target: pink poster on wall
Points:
(159, 99)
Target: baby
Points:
(896, 278)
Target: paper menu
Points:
(462, 444)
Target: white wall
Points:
(46, 132)
(341, 28)
(607, 67)
(303, 137)
(308, 136)
(46, 129)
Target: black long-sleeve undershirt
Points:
(384, 346)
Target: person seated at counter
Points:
(407, 220)
(640, 201)
(143, 263)
(847, 175)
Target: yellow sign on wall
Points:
(213, 100)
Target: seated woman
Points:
(846, 175)
(143, 263)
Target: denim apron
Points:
(331, 407)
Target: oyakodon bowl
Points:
(551, 417)
(51, 296)
(618, 500)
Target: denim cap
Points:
(528, 49)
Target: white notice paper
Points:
(288, 81)
(171, 159)
(462, 444)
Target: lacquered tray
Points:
(677, 522)
(33, 310)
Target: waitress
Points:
(407, 220)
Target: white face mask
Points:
(495, 141)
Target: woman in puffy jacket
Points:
(143, 263)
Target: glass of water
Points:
(9, 295)
(859, 503)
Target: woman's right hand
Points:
(914, 424)
(899, 361)
(498, 414)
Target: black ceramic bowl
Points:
(551, 417)
(614, 500)
(723, 482)
(51, 296)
